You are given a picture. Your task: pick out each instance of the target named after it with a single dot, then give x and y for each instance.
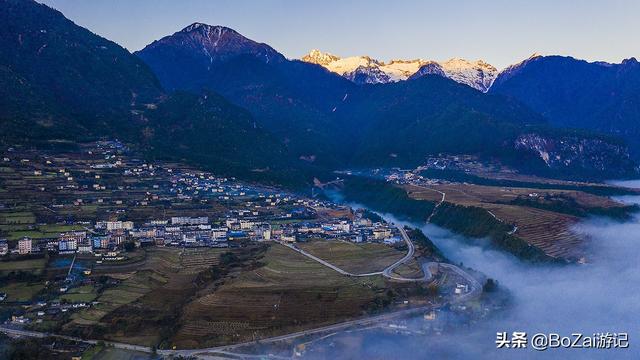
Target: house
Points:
(85, 249)
(25, 246)
(288, 238)
(392, 240)
(461, 289)
(381, 233)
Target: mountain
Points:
(210, 131)
(200, 46)
(293, 99)
(327, 121)
(61, 80)
(239, 107)
(60, 83)
(478, 75)
(579, 94)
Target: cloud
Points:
(601, 296)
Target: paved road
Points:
(330, 328)
(19, 332)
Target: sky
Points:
(501, 32)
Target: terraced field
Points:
(290, 292)
(550, 231)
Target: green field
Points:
(355, 258)
(80, 294)
(31, 265)
(17, 218)
(21, 291)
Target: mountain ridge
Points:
(478, 74)
(576, 93)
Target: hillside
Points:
(330, 122)
(579, 94)
(60, 83)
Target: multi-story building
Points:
(25, 246)
(68, 244)
(185, 220)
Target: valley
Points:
(209, 195)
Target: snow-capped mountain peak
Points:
(478, 74)
(364, 69)
(316, 56)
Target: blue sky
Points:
(499, 31)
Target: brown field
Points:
(290, 292)
(354, 258)
(150, 288)
(470, 194)
(549, 231)
(412, 269)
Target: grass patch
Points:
(21, 291)
(31, 265)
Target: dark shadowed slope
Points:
(59, 81)
(58, 76)
(324, 119)
(575, 93)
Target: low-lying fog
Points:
(602, 296)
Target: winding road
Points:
(386, 272)
(215, 352)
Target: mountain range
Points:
(210, 96)
(365, 70)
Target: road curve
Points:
(386, 272)
(476, 289)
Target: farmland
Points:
(543, 218)
(288, 293)
(354, 258)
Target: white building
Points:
(25, 246)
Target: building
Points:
(4, 247)
(69, 244)
(381, 234)
(118, 225)
(25, 246)
(185, 220)
(100, 242)
(78, 237)
(263, 233)
(219, 234)
(85, 249)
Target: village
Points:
(99, 208)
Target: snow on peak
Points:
(316, 56)
(364, 69)
(208, 29)
(478, 74)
